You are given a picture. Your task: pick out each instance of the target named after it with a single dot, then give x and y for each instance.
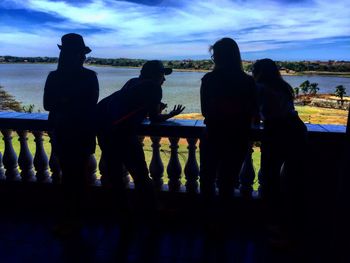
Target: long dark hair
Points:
(70, 61)
(265, 71)
(226, 54)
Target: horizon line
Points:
(184, 59)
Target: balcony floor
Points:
(30, 238)
(178, 233)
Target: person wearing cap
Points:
(70, 95)
(120, 114)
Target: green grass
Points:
(317, 115)
(165, 152)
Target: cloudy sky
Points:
(179, 29)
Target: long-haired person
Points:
(228, 105)
(283, 143)
(70, 95)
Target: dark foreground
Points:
(180, 231)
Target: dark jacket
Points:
(228, 98)
(125, 109)
(71, 98)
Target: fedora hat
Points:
(73, 42)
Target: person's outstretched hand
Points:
(177, 110)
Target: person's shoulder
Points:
(89, 72)
(209, 75)
(52, 73)
(134, 81)
(130, 84)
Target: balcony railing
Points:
(325, 147)
(30, 175)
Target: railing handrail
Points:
(171, 128)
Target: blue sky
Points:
(179, 29)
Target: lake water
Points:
(26, 83)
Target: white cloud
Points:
(192, 25)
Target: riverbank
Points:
(283, 72)
(329, 101)
(316, 73)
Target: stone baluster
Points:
(92, 169)
(105, 174)
(126, 176)
(247, 174)
(174, 166)
(283, 179)
(156, 166)
(10, 158)
(56, 172)
(191, 167)
(41, 162)
(2, 170)
(25, 158)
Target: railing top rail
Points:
(170, 128)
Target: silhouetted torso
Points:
(275, 102)
(129, 106)
(348, 127)
(228, 103)
(70, 98)
(228, 99)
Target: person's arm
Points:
(348, 126)
(93, 98)
(203, 97)
(50, 98)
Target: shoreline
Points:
(283, 73)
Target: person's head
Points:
(154, 70)
(266, 71)
(73, 51)
(225, 54)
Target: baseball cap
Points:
(154, 68)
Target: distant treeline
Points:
(188, 64)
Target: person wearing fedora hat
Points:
(70, 95)
(74, 43)
(120, 114)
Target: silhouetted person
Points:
(228, 106)
(348, 128)
(341, 229)
(120, 115)
(70, 95)
(283, 142)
